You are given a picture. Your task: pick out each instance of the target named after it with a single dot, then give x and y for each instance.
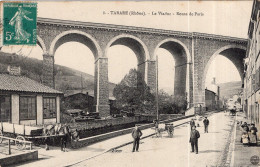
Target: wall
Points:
(49, 121)
(252, 65)
(107, 122)
(28, 122)
(119, 121)
(58, 109)
(15, 112)
(39, 109)
(15, 108)
(18, 158)
(210, 100)
(190, 111)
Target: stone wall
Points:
(95, 124)
(144, 42)
(18, 158)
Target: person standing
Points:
(64, 138)
(192, 123)
(245, 127)
(206, 125)
(252, 135)
(136, 134)
(194, 136)
(156, 126)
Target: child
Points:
(245, 139)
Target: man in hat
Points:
(194, 136)
(136, 134)
(192, 123)
(206, 125)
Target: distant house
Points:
(211, 99)
(80, 100)
(25, 101)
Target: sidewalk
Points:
(241, 155)
(54, 157)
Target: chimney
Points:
(13, 70)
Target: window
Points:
(5, 108)
(27, 108)
(49, 107)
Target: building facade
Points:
(27, 102)
(83, 101)
(251, 85)
(211, 100)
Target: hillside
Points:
(230, 89)
(66, 79)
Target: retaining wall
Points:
(18, 158)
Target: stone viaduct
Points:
(193, 53)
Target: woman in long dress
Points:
(17, 21)
(253, 135)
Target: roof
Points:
(78, 92)
(23, 84)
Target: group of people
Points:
(249, 134)
(195, 135)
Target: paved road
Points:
(55, 158)
(174, 151)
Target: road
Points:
(174, 151)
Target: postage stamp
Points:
(19, 23)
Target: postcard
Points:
(129, 83)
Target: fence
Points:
(11, 141)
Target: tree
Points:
(132, 93)
(170, 104)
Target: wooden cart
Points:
(24, 133)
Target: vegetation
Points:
(134, 95)
(169, 104)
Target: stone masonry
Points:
(193, 52)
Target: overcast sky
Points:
(230, 18)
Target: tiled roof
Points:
(23, 84)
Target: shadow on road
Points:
(214, 132)
(209, 151)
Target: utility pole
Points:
(157, 85)
(81, 83)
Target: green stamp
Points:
(19, 23)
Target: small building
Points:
(211, 99)
(83, 101)
(25, 101)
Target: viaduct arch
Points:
(193, 53)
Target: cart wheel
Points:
(1, 134)
(20, 145)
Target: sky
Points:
(230, 18)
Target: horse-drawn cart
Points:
(25, 133)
